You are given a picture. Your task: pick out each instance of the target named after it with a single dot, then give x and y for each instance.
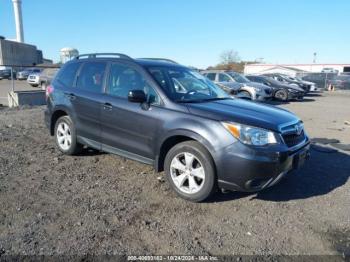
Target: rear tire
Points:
(282, 95)
(190, 171)
(66, 136)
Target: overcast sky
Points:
(193, 32)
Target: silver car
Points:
(43, 78)
(238, 85)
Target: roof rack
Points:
(160, 59)
(94, 55)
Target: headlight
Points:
(258, 89)
(251, 135)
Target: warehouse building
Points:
(14, 53)
(294, 69)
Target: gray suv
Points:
(237, 84)
(164, 114)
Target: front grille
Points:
(293, 139)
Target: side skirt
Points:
(113, 150)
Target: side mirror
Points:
(137, 96)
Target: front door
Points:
(127, 127)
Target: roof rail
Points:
(160, 59)
(94, 55)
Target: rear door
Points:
(86, 100)
(130, 128)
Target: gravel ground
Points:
(98, 203)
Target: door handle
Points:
(70, 96)
(107, 106)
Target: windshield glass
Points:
(238, 77)
(185, 85)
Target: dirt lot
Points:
(104, 204)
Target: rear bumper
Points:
(242, 168)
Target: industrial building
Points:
(19, 54)
(294, 69)
(15, 52)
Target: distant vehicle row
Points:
(260, 87)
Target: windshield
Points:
(184, 85)
(238, 78)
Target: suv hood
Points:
(243, 112)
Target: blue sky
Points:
(193, 32)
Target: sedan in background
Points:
(238, 85)
(5, 73)
(23, 75)
(289, 81)
(43, 78)
(281, 91)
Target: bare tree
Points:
(229, 57)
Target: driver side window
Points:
(224, 78)
(123, 79)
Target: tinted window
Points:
(91, 76)
(224, 78)
(67, 74)
(123, 79)
(211, 76)
(182, 84)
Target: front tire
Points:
(190, 171)
(65, 136)
(282, 95)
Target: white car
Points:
(43, 78)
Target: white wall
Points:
(315, 68)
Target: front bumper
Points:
(242, 168)
(295, 95)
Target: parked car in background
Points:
(42, 78)
(239, 85)
(23, 74)
(280, 91)
(5, 73)
(289, 81)
(169, 116)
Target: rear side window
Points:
(211, 76)
(91, 77)
(67, 74)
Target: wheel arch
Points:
(59, 112)
(175, 138)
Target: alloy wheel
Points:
(187, 173)
(64, 136)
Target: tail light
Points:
(49, 91)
